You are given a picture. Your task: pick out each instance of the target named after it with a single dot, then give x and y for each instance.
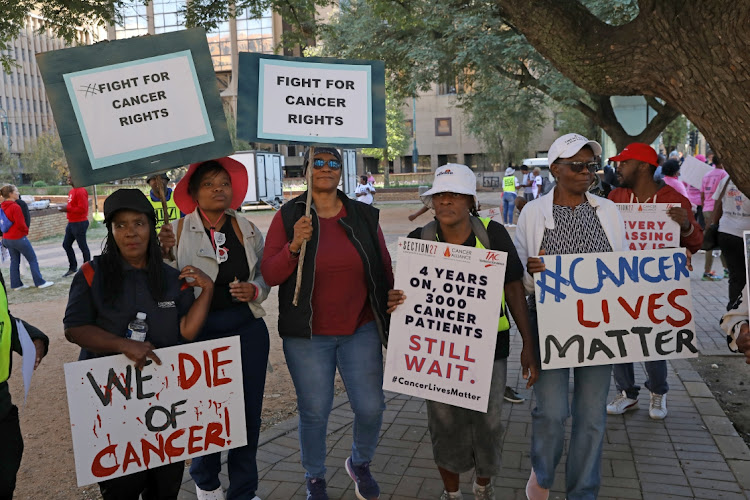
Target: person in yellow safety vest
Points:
(11, 449)
(463, 439)
(510, 188)
(174, 212)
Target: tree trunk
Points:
(386, 169)
(690, 53)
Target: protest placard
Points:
(647, 226)
(746, 290)
(495, 213)
(619, 307)
(311, 100)
(693, 170)
(124, 420)
(441, 344)
(134, 106)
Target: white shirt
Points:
(735, 207)
(368, 190)
(536, 186)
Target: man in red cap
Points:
(635, 173)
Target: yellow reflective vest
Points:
(174, 211)
(509, 184)
(6, 329)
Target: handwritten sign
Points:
(495, 213)
(125, 420)
(133, 106)
(647, 226)
(311, 100)
(619, 307)
(693, 170)
(442, 339)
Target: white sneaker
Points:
(657, 409)
(22, 287)
(621, 404)
(217, 494)
(46, 284)
(456, 495)
(486, 492)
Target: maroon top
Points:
(339, 302)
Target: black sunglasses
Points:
(578, 166)
(333, 164)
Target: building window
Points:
(425, 164)
(443, 127)
(557, 121)
(134, 20)
(409, 125)
(451, 85)
(255, 34)
(167, 15)
(445, 159)
(220, 46)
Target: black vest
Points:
(361, 227)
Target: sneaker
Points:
(712, 276)
(456, 495)
(46, 284)
(316, 489)
(512, 396)
(70, 272)
(365, 487)
(486, 492)
(657, 409)
(621, 404)
(20, 287)
(217, 494)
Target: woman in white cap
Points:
(569, 220)
(510, 186)
(464, 439)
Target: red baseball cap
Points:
(237, 173)
(638, 151)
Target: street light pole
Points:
(415, 152)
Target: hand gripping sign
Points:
(125, 420)
(619, 307)
(441, 344)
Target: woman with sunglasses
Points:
(340, 319)
(215, 238)
(568, 220)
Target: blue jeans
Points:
(76, 231)
(312, 364)
(656, 382)
(583, 473)
(254, 345)
(16, 248)
(509, 207)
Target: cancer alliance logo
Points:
(447, 252)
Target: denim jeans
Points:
(583, 472)
(16, 248)
(312, 363)
(76, 231)
(656, 382)
(254, 345)
(509, 207)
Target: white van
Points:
(536, 162)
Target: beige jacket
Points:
(194, 248)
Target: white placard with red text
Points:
(442, 338)
(124, 420)
(495, 213)
(647, 226)
(618, 307)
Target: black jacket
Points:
(361, 226)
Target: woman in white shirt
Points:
(732, 213)
(364, 191)
(536, 183)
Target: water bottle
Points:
(137, 328)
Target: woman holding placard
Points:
(464, 439)
(569, 220)
(106, 295)
(338, 319)
(228, 247)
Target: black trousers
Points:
(11, 451)
(161, 483)
(734, 252)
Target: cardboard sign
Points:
(442, 338)
(619, 307)
(693, 170)
(135, 106)
(311, 101)
(647, 226)
(495, 213)
(124, 420)
(746, 290)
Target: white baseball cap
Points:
(568, 145)
(452, 178)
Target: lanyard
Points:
(632, 195)
(215, 235)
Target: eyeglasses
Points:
(578, 166)
(333, 164)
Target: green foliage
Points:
(45, 159)
(570, 120)
(675, 134)
(39, 184)
(397, 135)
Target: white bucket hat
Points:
(510, 171)
(452, 178)
(568, 145)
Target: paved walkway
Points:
(694, 453)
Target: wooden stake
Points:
(302, 249)
(163, 197)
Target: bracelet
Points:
(294, 254)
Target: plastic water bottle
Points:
(137, 328)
